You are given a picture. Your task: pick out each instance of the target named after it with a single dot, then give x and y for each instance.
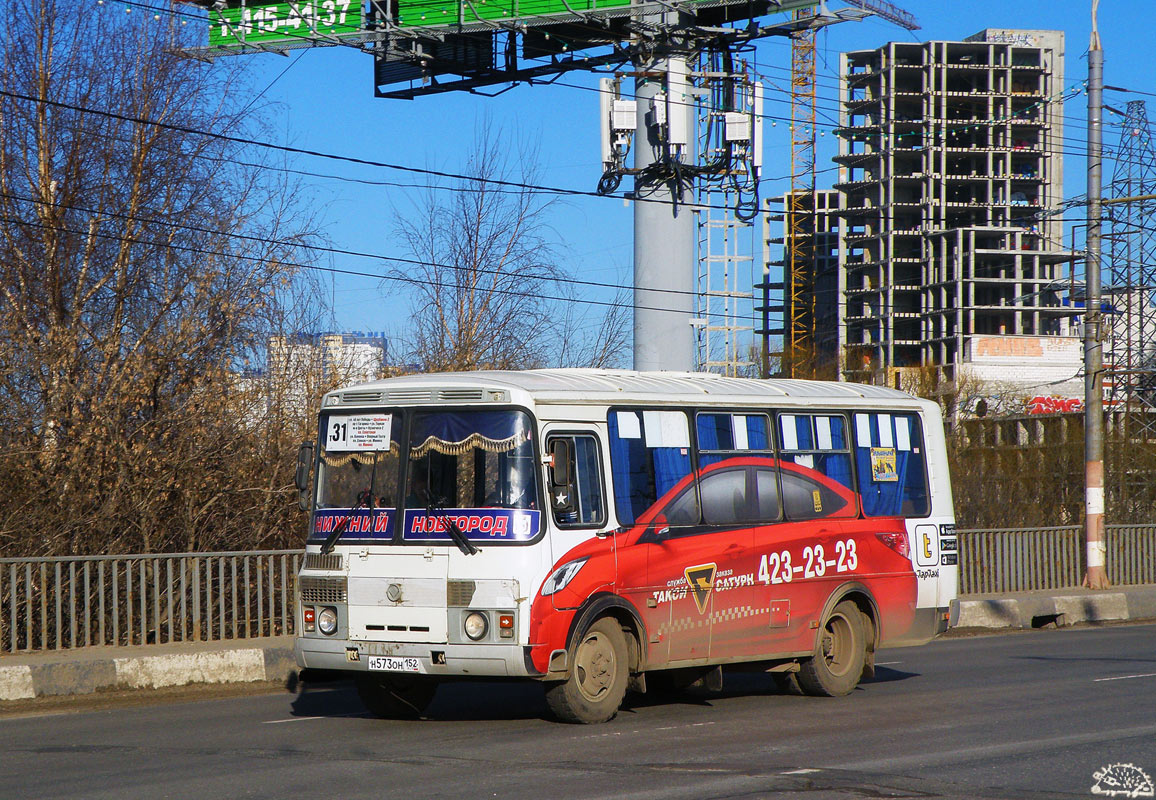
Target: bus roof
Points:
(604, 386)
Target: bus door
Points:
(701, 565)
(575, 487)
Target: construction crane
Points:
(799, 358)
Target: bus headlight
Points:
(327, 621)
(476, 625)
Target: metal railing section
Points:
(1019, 559)
(70, 602)
(1131, 554)
(1028, 559)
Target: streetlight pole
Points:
(1096, 576)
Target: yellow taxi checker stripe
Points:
(733, 613)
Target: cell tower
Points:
(1131, 345)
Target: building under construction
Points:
(951, 174)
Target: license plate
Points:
(395, 664)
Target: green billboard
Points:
(261, 22)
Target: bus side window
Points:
(891, 460)
(587, 507)
(815, 466)
(649, 457)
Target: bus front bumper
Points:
(449, 660)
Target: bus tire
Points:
(598, 676)
(840, 652)
(393, 696)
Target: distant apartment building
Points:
(299, 367)
(950, 174)
(332, 357)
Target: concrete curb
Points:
(1062, 607)
(103, 669)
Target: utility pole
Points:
(663, 227)
(1096, 576)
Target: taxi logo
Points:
(700, 579)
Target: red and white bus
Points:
(601, 531)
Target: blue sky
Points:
(324, 101)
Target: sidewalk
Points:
(93, 669)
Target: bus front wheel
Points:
(840, 652)
(598, 676)
(394, 696)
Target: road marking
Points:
(1126, 677)
(799, 772)
(306, 719)
(666, 728)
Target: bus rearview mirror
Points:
(301, 476)
(560, 462)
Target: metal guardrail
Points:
(70, 602)
(1019, 559)
(1027, 559)
(65, 603)
(1131, 554)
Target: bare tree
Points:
(488, 294)
(133, 284)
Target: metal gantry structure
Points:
(1130, 280)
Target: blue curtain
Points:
(757, 432)
(625, 460)
(709, 428)
(671, 465)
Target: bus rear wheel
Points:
(598, 676)
(840, 652)
(394, 696)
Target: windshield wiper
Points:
(435, 509)
(364, 500)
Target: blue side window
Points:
(649, 455)
(892, 465)
(723, 435)
(817, 446)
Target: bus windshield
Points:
(471, 459)
(358, 451)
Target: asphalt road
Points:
(1029, 715)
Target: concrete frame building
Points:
(951, 159)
